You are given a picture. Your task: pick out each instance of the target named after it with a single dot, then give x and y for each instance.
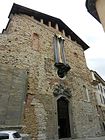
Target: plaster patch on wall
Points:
(41, 118)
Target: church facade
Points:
(50, 92)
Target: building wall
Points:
(99, 90)
(100, 6)
(100, 94)
(28, 44)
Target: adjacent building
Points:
(97, 9)
(99, 85)
(45, 85)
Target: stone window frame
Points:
(104, 100)
(101, 88)
(59, 55)
(98, 87)
(101, 92)
(101, 98)
(35, 40)
(86, 93)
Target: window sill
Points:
(86, 101)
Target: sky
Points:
(74, 14)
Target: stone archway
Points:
(63, 96)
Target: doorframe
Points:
(70, 115)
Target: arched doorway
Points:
(63, 118)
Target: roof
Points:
(98, 77)
(91, 7)
(18, 9)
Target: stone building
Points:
(99, 85)
(97, 9)
(45, 85)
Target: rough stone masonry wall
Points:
(28, 44)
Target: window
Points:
(4, 136)
(98, 87)
(86, 93)
(59, 49)
(103, 125)
(60, 61)
(101, 88)
(35, 42)
(101, 99)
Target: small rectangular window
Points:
(98, 87)
(35, 42)
(101, 88)
(101, 99)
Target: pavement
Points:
(95, 138)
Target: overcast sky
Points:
(75, 15)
